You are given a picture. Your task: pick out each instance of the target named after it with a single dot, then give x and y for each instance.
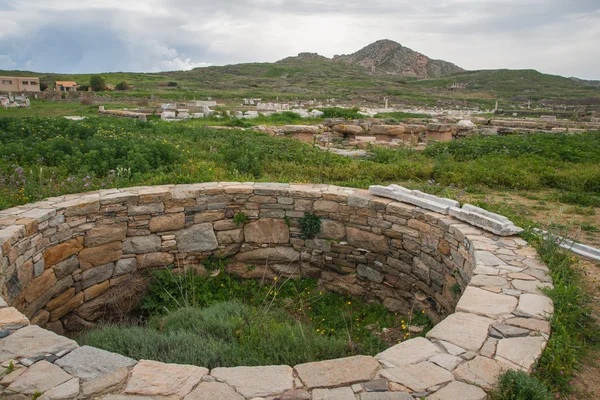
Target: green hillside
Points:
(298, 78)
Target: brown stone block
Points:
(62, 251)
(39, 285)
(66, 308)
(95, 256)
(96, 290)
(61, 299)
(105, 234)
(154, 260)
(169, 222)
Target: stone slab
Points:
(485, 303)
(480, 371)
(89, 363)
(10, 318)
(409, 352)
(458, 390)
(213, 391)
(40, 377)
(522, 351)
(338, 372)
(257, 381)
(467, 331)
(33, 341)
(418, 377)
(152, 378)
(344, 393)
(535, 306)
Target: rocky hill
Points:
(386, 57)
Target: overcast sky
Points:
(75, 36)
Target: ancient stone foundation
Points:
(70, 261)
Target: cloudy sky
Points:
(553, 36)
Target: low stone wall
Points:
(69, 261)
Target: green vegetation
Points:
(47, 157)
(97, 83)
(223, 320)
(517, 385)
(240, 218)
(294, 78)
(310, 225)
(336, 112)
(222, 335)
(574, 329)
(401, 116)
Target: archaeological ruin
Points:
(71, 261)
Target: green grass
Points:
(223, 320)
(401, 116)
(517, 385)
(223, 335)
(42, 157)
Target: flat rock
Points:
(446, 361)
(40, 377)
(522, 351)
(536, 325)
(480, 371)
(343, 393)
(467, 331)
(507, 331)
(418, 377)
(338, 372)
(197, 238)
(88, 362)
(458, 390)
(257, 381)
(484, 303)
(531, 286)
(213, 391)
(535, 306)
(267, 230)
(386, 396)
(410, 352)
(152, 378)
(33, 341)
(487, 280)
(10, 318)
(104, 383)
(65, 391)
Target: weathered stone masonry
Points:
(72, 260)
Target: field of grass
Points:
(43, 157)
(225, 321)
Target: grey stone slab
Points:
(338, 372)
(197, 238)
(467, 331)
(33, 341)
(386, 396)
(88, 362)
(459, 391)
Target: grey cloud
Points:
(151, 35)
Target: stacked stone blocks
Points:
(68, 261)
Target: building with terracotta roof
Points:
(66, 86)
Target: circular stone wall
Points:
(68, 261)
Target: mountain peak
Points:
(388, 57)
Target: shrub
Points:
(337, 112)
(310, 225)
(122, 86)
(97, 83)
(517, 385)
(240, 218)
(172, 84)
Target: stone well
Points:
(70, 261)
